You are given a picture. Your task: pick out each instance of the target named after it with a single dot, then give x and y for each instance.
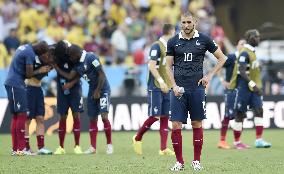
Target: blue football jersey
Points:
(188, 57)
(229, 66)
(88, 68)
(24, 55)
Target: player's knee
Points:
(104, 115)
(176, 125)
(258, 112)
(196, 124)
(240, 116)
(95, 119)
(76, 114)
(39, 120)
(63, 117)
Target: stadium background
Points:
(121, 33)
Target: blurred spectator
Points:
(117, 11)
(12, 41)
(218, 35)
(119, 44)
(105, 48)
(4, 56)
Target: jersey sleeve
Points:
(170, 47)
(29, 57)
(95, 63)
(211, 45)
(155, 52)
(244, 58)
(230, 61)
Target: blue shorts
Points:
(35, 102)
(245, 98)
(17, 99)
(73, 100)
(158, 103)
(192, 102)
(101, 105)
(230, 102)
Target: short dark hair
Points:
(60, 49)
(187, 14)
(41, 48)
(167, 28)
(250, 34)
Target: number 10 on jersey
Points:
(187, 57)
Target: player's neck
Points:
(187, 36)
(166, 37)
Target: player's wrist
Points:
(252, 84)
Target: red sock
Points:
(93, 133)
(146, 126)
(258, 131)
(224, 128)
(237, 135)
(40, 141)
(20, 128)
(164, 132)
(177, 144)
(62, 132)
(27, 140)
(107, 128)
(14, 133)
(197, 142)
(76, 130)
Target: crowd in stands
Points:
(119, 31)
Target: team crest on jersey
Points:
(66, 66)
(197, 43)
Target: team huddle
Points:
(33, 62)
(176, 91)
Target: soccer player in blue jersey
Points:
(246, 79)
(69, 95)
(36, 108)
(22, 68)
(230, 95)
(185, 56)
(88, 66)
(158, 93)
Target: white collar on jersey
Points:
(237, 53)
(249, 47)
(67, 42)
(196, 34)
(37, 60)
(164, 42)
(83, 56)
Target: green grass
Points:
(254, 161)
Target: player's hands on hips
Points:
(177, 91)
(97, 94)
(226, 84)
(205, 80)
(164, 87)
(67, 86)
(257, 90)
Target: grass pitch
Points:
(124, 160)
